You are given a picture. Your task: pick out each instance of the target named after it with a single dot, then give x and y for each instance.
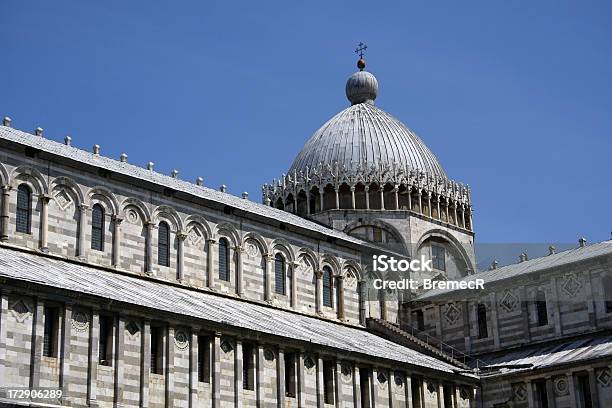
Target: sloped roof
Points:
(134, 290)
(550, 355)
(494, 276)
(124, 168)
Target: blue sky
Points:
(515, 98)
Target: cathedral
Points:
(121, 287)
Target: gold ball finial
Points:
(361, 64)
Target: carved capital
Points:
(318, 273)
(116, 219)
(182, 234)
(6, 189)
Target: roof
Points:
(130, 170)
(502, 274)
(544, 356)
(362, 136)
(134, 290)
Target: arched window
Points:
(163, 244)
(24, 209)
(481, 312)
(97, 227)
(607, 287)
(224, 260)
(279, 274)
(540, 304)
(327, 287)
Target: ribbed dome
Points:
(366, 135)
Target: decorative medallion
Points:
(63, 200)
(604, 377)
(181, 340)
(519, 391)
(269, 355)
(451, 313)
(347, 373)
(194, 236)
(132, 327)
(226, 346)
(561, 385)
(251, 249)
(571, 285)
(21, 310)
(398, 378)
(80, 321)
(309, 362)
(431, 387)
(303, 268)
(131, 215)
(350, 279)
(464, 393)
(381, 377)
(509, 301)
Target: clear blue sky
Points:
(515, 98)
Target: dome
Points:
(363, 135)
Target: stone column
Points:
(320, 384)
(64, 374)
(3, 332)
(338, 383)
(396, 195)
(550, 393)
(259, 386)
(119, 348)
(340, 284)
(216, 370)
(280, 378)
(193, 367)
(37, 343)
(438, 206)
(446, 204)
(82, 248)
(408, 392)
(116, 240)
(382, 198)
(319, 290)
(455, 211)
(409, 197)
(429, 203)
(356, 388)
(420, 198)
(300, 379)
(367, 197)
(239, 286)
(353, 197)
(337, 198)
(180, 255)
(390, 387)
(268, 277)
(308, 203)
(210, 262)
(530, 402)
(145, 364)
(372, 383)
(5, 219)
(322, 198)
(238, 358)
(462, 216)
(44, 220)
(593, 387)
(293, 267)
(149, 247)
(169, 371)
(92, 358)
